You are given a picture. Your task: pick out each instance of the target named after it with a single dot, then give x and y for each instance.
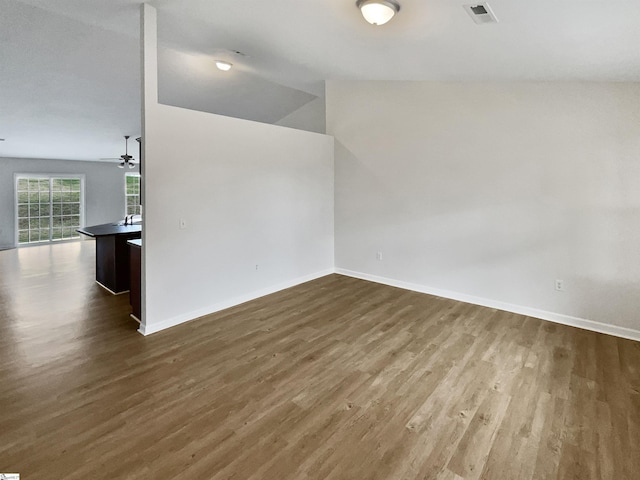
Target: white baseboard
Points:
(583, 323)
(172, 322)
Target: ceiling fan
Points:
(125, 159)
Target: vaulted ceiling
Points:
(69, 83)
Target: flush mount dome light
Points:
(224, 66)
(378, 12)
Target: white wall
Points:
(310, 117)
(250, 193)
(490, 192)
(256, 201)
(104, 190)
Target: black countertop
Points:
(110, 229)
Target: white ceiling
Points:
(70, 80)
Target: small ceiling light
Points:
(378, 12)
(224, 66)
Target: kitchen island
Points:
(112, 253)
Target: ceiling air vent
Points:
(480, 13)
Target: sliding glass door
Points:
(48, 208)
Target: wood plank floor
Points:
(334, 379)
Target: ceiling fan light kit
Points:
(378, 12)
(126, 158)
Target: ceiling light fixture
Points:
(126, 158)
(378, 12)
(224, 66)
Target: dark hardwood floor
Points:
(333, 379)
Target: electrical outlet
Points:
(379, 256)
(560, 285)
(256, 266)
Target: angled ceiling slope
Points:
(54, 54)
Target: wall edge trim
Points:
(196, 314)
(583, 323)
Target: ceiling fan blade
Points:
(124, 159)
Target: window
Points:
(132, 193)
(48, 208)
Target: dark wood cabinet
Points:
(135, 266)
(112, 254)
